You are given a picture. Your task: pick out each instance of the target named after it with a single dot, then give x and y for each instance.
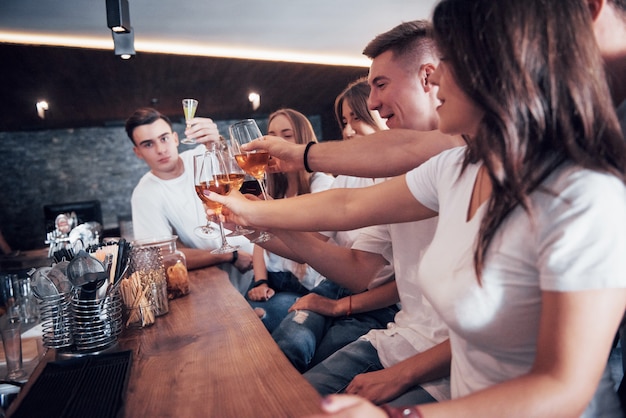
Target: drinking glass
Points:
(215, 178)
(189, 109)
(12, 344)
(207, 230)
(237, 176)
(253, 162)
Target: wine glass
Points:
(207, 230)
(237, 176)
(189, 109)
(253, 162)
(214, 177)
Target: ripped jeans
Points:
(307, 338)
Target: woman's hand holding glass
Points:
(236, 208)
(213, 178)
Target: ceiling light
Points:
(255, 100)
(187, 48)
(124, 43)
(118, 15)
(42, 106)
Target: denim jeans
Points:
(307, 338)
(335, 373)
(288, 289)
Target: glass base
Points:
(264, 237)
(207, 232)
(188, 141)
(240, 231)
(16, 375)
(225, 249)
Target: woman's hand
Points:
(349, 406)
(235, 207)
(316, 303)
(261, 293)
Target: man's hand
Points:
(203, 130)
(378, 387)
(285, 156)
(244, 261)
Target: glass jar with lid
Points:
(174, 264)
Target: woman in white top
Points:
(527, 264)
(279, 281)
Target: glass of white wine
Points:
(206, 231)
(253, 162)
(237, 177)
(215, 178)
(189, 109)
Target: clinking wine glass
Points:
(207, 230)
(237, 176)
(189, 109)
(254, 162)
(215, 178)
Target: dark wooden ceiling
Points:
(86, 87)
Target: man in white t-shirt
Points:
(164, 202)
(409, 360)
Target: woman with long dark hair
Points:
(527, 264)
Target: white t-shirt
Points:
(273, 262)
(416, 327)
(576, 241)
(165, 207)
(347, 238)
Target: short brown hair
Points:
(143, 116)
(411, 42)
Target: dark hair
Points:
(411, 42)
(143, 116)
(356, 95)
(534, 68)
(303, 133)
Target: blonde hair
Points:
(303, 134)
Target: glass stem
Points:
(262, 186)
(224, 242)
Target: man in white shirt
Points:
(164, 202)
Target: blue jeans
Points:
(287, 288)
(307, 338)
(335, 373)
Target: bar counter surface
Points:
(210, 356)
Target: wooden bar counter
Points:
(211, 356)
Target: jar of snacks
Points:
(174, 264)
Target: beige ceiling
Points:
(339, 28)
(182, 48)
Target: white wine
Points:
(221, 185)
(253, 163)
